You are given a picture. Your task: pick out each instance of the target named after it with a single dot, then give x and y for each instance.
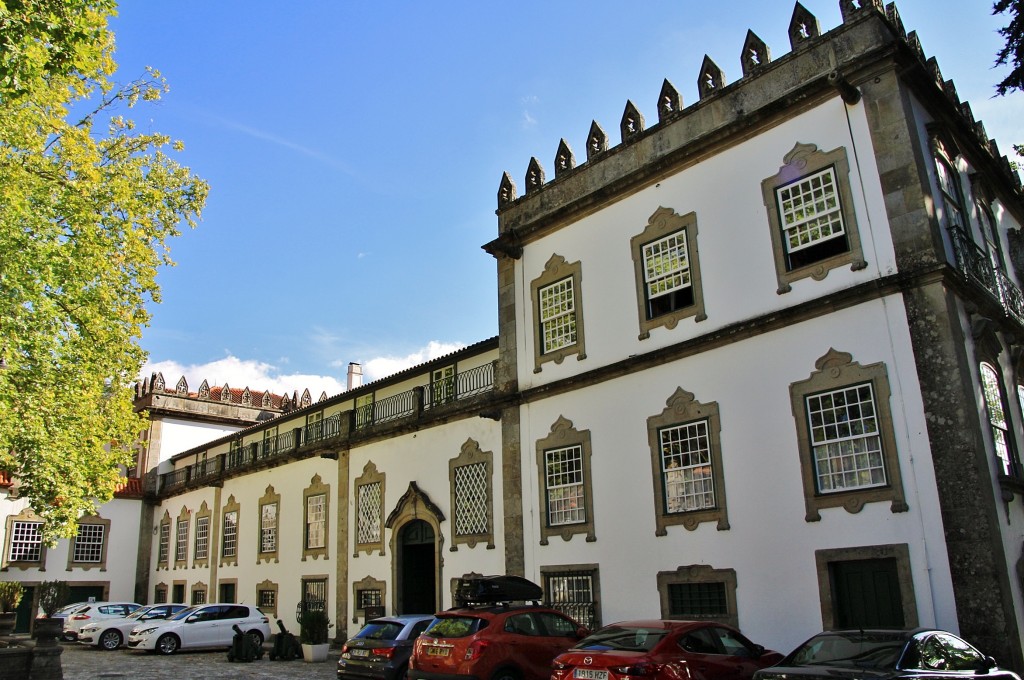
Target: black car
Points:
(381, 650)
(883, 654)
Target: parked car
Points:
(381, 649)
(493, 642)
(884, 654)
(663, 650)
(111, 633)
(65, 611)
(207, 625)
(95, 611)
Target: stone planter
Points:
(315, 653)
(8, 620)
(47, 631)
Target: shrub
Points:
(52, 596)
(314, 627)
(10, 595)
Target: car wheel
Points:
(256, 637)
(506, 674)
(167, 644)
(110, 639)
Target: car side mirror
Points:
(758, 651)
(581, 633)
(988, 664)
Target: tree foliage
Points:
(87, 207)
(1013, 51)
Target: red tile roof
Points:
(130, 487)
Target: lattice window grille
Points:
(471, 499)
(369, 513)
(666, 265)
(89, 543)
(845, 439)
(810, 210)
(558, 315)
(316, 515)
(564, 483)
(686, 467)
(26, 542)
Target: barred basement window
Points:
(697, 600)
(471, 499)
(267, 599)
(574, 593)
(368, 597)
(89, 543)
(26, 542)
(160, 595)
(230, 544)
(198, 597)
(369, 513)
(202, 549)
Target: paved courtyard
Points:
(85, 663)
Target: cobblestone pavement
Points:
(85, 663)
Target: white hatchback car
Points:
(112, 633)
(95, 611)
(205, 625)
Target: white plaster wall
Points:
(423, 457)
(179, 435)
(122, 547)
(734, 243)
(769, 544)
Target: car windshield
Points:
(183, 614)
(380, 630)
(876, 650)
(140, 611)
(454, 626)
(630, 638)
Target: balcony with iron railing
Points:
(976, 266)
(404, 406)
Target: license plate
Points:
(438, 651)
(590, 674)
(360, 653)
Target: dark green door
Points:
(25, 611)
(866, 594)
(416, 546)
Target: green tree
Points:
(87, 207)
(1011, 52)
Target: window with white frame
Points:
(992, 387)
(89, 543)
(26, 542)
(181, 541)
(165, 543)
(268, 527)
(667, 274)
(563, 481)
(270, 441)
(364, 410)
(368, 530)
(230, 544)
(845, 439)
(316, 516)
(557, 315)
(686, 467)
(442, 385)
(952, 196)
(202, 548)
(812, 219)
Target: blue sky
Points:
(354, 152)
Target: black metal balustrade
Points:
(406, 404)
(977, 267)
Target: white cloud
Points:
(261, 376)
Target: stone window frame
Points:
(898, 551)
(316, 488)
(946, 159)
(230, 506)
(564, 434)
(90, 520)
(591, 570)
(203, 513)
(220, 589)
(699, 573)
(683, 409)
(367, 583)
(160, 592)
(27, 516)
(270, 497)
(199, 587)
(801, 161)
(184, 519)
(267, 586)
(662, 223)
(370, 476)
(835, 370)
(183, 584)
(557, 269)
(1008, 466)
(472, 454)
(163, 542)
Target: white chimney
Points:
(355, 375)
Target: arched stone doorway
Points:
(416, 543)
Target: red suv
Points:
(495, 642)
